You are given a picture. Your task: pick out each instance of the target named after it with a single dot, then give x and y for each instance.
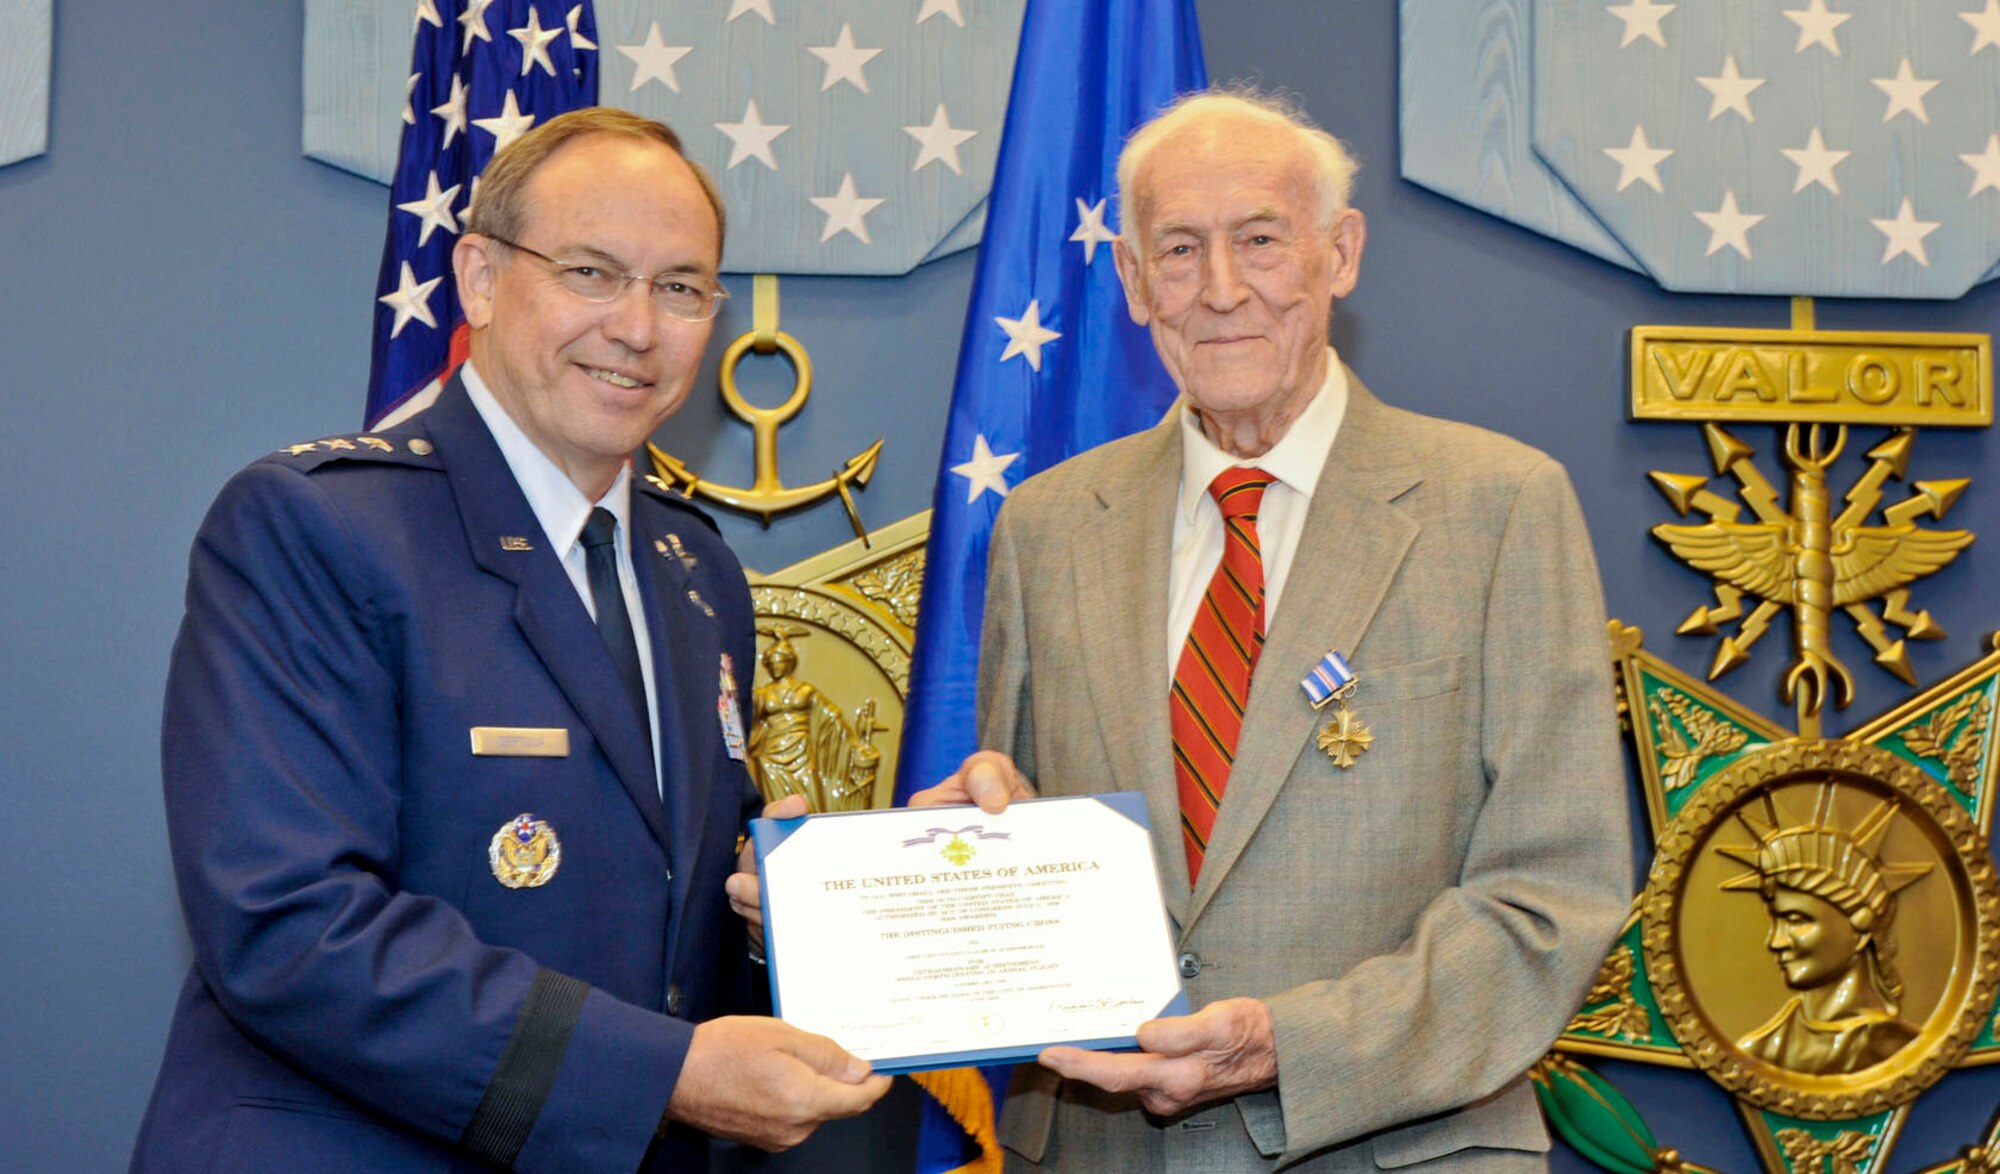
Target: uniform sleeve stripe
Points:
(520, 1086)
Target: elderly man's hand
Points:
(988, 778)
(765, 1082)
(1220, 1051)
(744, 895)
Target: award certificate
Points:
(936, 937)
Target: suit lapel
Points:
(551, 617)
(1129, 539)
(1353, 543)
(687, 663)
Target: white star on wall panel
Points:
(24, 78)
(1823, 147)
(843, 78)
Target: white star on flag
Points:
(655, 60)
(1906, 93)
(535, 43)
(940, 142)
(760, 7)
(1986, 24)
(427, 10)
(1985, 167)
(1639, 161)
(1905, 235)
(1642, 19)
(1731, 91)
(411, 299)
(1090, 229)
(474, 20)
(576, 38)
(946, 8)
(1817, 25)
(751, 138)
(1026, 336)
(506, 126)
(410, 92)
(1815, 163)
(1728, 226)
(843, 61)
(845, 211)
(985, 471)
(453, 110)
(434, 209)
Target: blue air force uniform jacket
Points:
(365, 994)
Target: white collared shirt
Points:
(1295, 461)
(562, 509)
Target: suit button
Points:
(1190, 964)
(674, 1000)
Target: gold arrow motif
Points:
(1808, 559)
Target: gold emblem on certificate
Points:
(524, 853)
(1345, 736)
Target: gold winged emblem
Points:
(1811, 559)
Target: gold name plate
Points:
(1816, 376)
(520, 741)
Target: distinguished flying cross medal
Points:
(1344, 737)
(524, 853)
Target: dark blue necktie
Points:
(600, 553)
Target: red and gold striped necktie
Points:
(1212, 681)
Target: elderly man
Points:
(453, 742)
(1384, 915)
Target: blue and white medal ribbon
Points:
(1328, 678)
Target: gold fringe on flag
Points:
(965, 1094)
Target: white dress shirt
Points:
(562, 509)
(1295, 461)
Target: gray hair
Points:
(1333, 166)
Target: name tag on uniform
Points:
(520, 741)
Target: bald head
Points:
(1205, 120)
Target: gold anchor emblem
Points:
(767, 494)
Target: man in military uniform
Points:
(453, 741)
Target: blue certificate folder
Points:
(768, 834)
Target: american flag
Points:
(482, 72)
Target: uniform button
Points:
(670, 876)
(1190, 964)
(674, 999)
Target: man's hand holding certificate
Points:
(940, 936)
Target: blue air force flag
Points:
(482, 72)
(1050, 363)
(1816, 147)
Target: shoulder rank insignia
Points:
(359, 447)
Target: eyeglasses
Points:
(685, 296)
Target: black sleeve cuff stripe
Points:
(520, 1086)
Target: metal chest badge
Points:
(1344, 737)
(524, 853)
(725, 709)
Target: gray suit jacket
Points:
(1421, 924)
